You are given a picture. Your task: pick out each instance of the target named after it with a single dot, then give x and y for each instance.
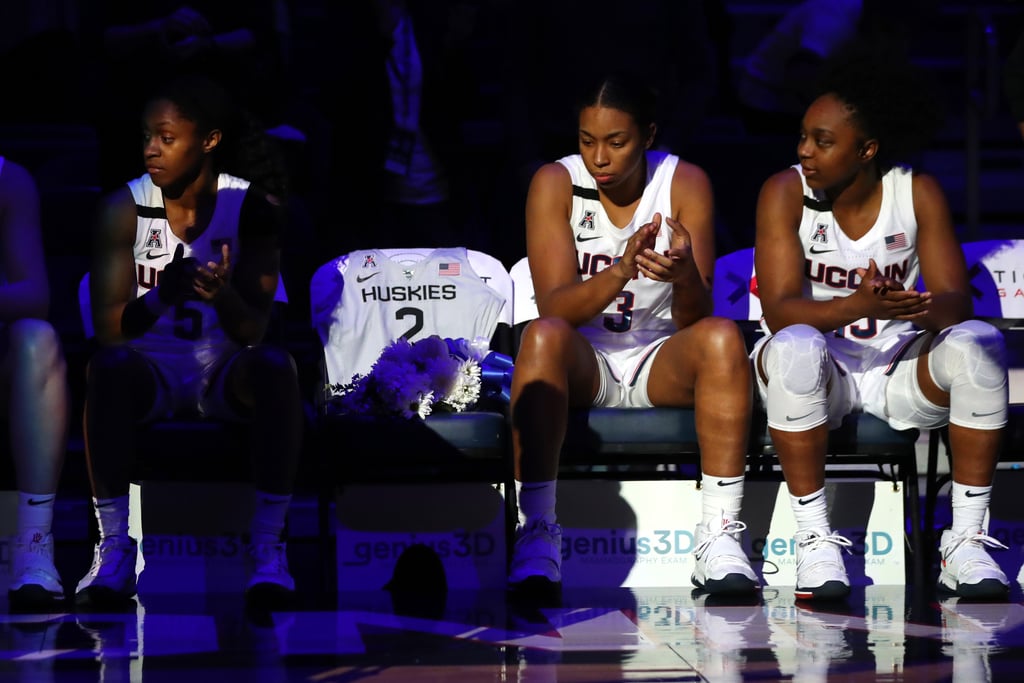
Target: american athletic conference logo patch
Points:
(155, 239)
(587, 222)
(820, 233)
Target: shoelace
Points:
(539, 528)
(812, 539)
(978, 538)
(731, 527)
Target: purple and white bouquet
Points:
(413, 379)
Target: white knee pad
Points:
(797, 364)
(968, 360)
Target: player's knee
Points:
(268, 360)
(34, 343)
(544, 336)
(722, 340)
(796, 358)
(974, 349)
(113, 363)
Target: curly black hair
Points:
(889, 97)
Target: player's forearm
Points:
(824, 316)
(691, 299)
(242, 321)
(581, 301)
(946, 309)
(138, 316)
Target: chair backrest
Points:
(364, 300)
(734, 289)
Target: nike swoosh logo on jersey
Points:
(150, 255)
(364, 278)
(977, 414)
(820, 251)
(729, 483)
(41, 501)
(798, 417)
(581, 238)
(972, 494)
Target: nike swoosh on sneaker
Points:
(364, 278)
(798, 417)
(809, 500)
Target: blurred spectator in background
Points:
(1013, 82)
(775, 84)
(400, 87)
(43, 65)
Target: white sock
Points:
(112, 515)
(722, 498)
(35, 512)
(536, 502)
(969, 506)
(268, 517)
(811, 511)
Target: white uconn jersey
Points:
(642, 312)
(366, 299)
(188, 337)
(831, 259)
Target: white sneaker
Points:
(111, 579)
(720, 565)
(820, 571)
(35, 581)
(537, 552)
(967, 570)
(270, 567)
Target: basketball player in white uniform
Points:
(621, 249)
(368, 298)
(841, 241)
(33, 392)
(184, 274)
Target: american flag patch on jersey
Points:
(449, 269)
(897, 241)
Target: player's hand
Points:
(641, 242)
(672, 264)
(176, 279)
(212, 278)
(884, 298)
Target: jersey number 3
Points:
(624, 321)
